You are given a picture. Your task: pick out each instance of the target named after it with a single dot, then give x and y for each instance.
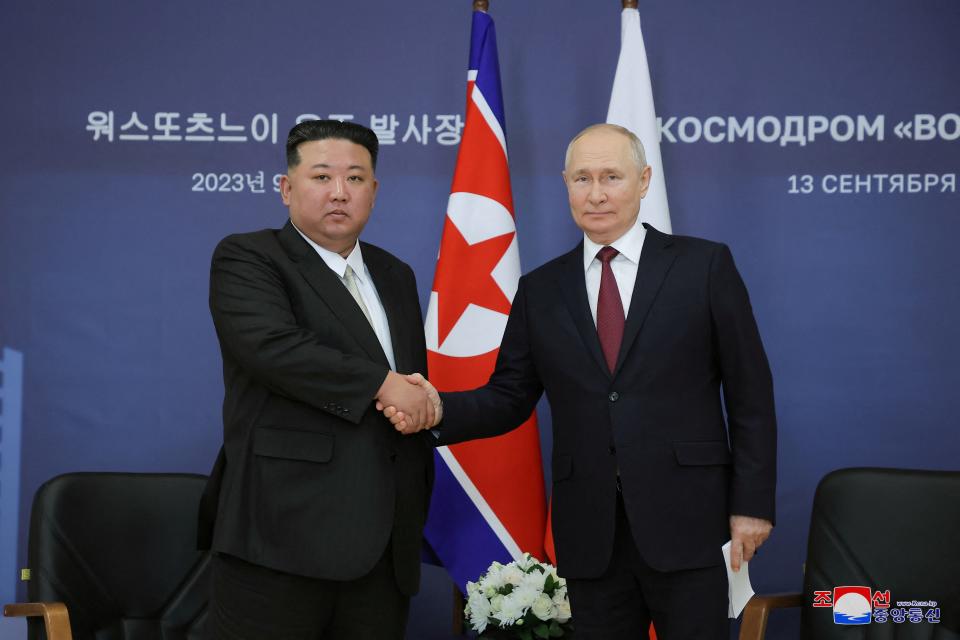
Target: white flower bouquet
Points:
(523, 600)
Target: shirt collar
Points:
(629, 245)
(336, 262)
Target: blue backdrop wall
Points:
(818, 139)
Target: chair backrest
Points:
(119, 549)
(893, 530)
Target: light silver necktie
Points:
(350, 281)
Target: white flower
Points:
(496, 603)
(543, 608)
(510, 610)
(477, 602)
(478, 609)
(525, 596)
(493, 579)
(534, 580)
(479, 624)
(512, 574)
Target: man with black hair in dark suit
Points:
(317, 503)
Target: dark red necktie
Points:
(610, 318)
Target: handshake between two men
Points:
(410, 402)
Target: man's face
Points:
(604, 185)
(331, 192)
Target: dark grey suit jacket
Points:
(312, 480)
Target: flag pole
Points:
(459, 602)
(458, 599)
(629, 4)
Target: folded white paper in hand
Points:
(740, 591)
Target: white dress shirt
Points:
(624, 266)
(338, 264)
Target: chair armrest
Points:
(757, 612)
(56, 620)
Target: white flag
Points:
(631, 106)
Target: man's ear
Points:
(645, 176)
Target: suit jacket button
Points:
(614, 396)
(346, 411)
(612, 449)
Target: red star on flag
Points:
(464, 276)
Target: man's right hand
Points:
(410, 398)
(401, 421)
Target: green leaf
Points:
(541, 631)
(556, 631)
(525, 635)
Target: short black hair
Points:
(310, 130)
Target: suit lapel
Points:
(574, 287)
(330, 288)
(388, 288)
(656, 258)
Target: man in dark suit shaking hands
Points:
(664, 433)
(319, 502)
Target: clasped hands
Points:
(410, 402)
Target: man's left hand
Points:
(746, 535)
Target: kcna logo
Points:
(860, 605)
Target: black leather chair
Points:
(119, 551)
(887, 529)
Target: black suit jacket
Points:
(658, 419)
(312, 480)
